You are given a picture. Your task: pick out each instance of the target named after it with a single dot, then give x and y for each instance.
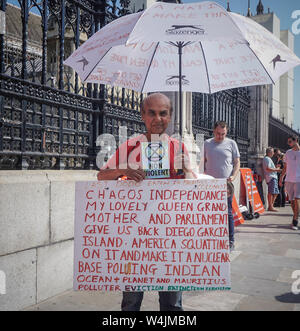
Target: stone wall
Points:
(36, 234)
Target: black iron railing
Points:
(49, 119)
(279, 134)
(231, 106)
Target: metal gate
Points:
(48, 118)
(279, 134)
(231, 106)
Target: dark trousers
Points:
(168, 301)
(230, 220)
(281, 197)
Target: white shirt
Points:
(292, 159)
(203, 176)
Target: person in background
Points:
(276, 156)
(292, 181)
(270, 173)
(222, 160)
(280, 200)
(258, 182)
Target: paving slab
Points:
(81, 301)
(256, 269)
(213, 301)
(254, 303)
(261, 287)
(293, 253)
(286, 276)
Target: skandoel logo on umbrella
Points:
(174, 80)
(185, 30)
(84, 61)
(277, 59)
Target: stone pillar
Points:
(2, 22)
(287, 85)
(258, 128)
(187, 127)
(136, 5)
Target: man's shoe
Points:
(231, 246)
(294, 225)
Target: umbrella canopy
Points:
(198, 47)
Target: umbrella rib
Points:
(208, 80)
(149, 67)
(261, 64)
(97, 63)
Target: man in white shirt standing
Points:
(270, 173)
(292, 171)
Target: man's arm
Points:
(273, 169)
(269, 166)
(113, 174)
(236, 169)
(283, 173)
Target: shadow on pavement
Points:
(276, 214)
(288, 298)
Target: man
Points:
(280, 200)
(156, 113)
(270, 173)
(222, 160)
(292, 182)
(276, 155)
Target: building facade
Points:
(272, 107)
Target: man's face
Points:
(156, 115)
(220, 133)
(271, 153)
(291, 142)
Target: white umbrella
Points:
(196, 47)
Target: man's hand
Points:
(113, 174)
(137, 175)
(230, 179)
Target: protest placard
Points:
(236, 213)
(156, 235)
(250, 188)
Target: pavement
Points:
(267, 252)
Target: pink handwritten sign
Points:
(158, 235)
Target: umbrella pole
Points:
(180, 46)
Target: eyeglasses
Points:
(290, 142)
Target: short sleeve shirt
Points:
(268, 163)
(292, 160)
(220, 157)
(128, 155)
